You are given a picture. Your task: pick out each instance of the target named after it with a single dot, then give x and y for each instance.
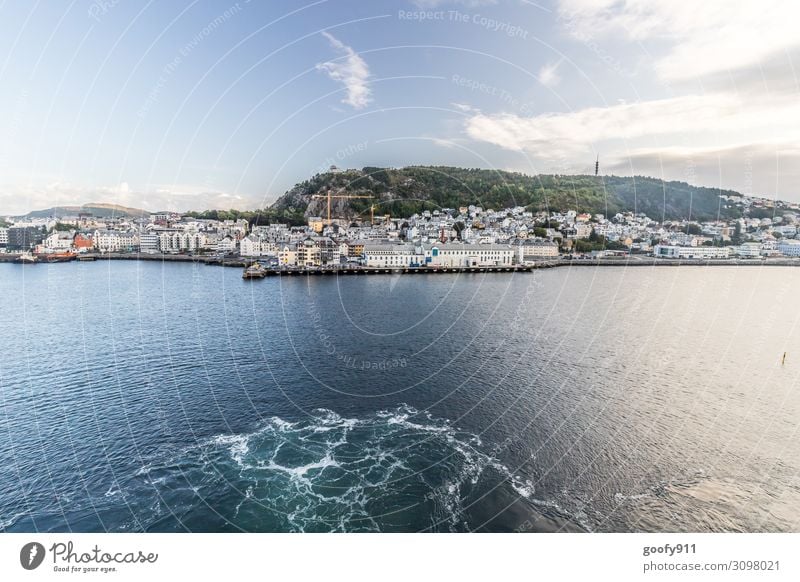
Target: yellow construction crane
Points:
(330, 196)
(386, 217)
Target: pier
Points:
(425, 270)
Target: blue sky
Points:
(191, 105)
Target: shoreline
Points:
(240, 262)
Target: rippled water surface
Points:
(142, 396)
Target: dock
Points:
(424, 270)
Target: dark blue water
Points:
(142, 396)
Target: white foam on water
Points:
(356, 479)
(5, 523)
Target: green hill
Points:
(98, 209)
(405, 191)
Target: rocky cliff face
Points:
(301, 196)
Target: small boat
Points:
(26, 259)
(57, 257)
(254, 271)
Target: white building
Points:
(148, 242)
(460, 255)
(3, 237)
(180, 241)
(114, 241)
(537, 250)
(393, 255)
(749, 250)
(789, 248)
(250, 246)
(226, 245)
(675, 252)
(59, 241)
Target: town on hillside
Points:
(451, 237)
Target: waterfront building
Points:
(287, 255)
(678, 252)
(83, 243)
(329, 253)
(355, 249)
(254, 245)
(149, 243)
(749, 250)
(537, 250)
(789, 247)
(226, 245)
(59, 241)
(24, 238)
(393, 255)
(114, 241)
(176, 241)
(250, 246)
(461, 255)
(3, 237)
(308, 254)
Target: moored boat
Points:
(57, 257)
(26, 259)
(254, 271)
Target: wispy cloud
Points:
(464, 107)
(350, 70)
(548, 75)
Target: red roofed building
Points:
(83, 243)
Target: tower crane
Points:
(330, 196)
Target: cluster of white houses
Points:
(465, 237)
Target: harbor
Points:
(272, 271)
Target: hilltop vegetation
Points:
(266, 216)
(401, 192)
(97, 209)
(405, 191)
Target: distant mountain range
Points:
(98, 209)
(405, 191)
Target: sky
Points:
(187, 105)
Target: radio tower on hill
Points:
(597, 165)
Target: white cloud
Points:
(704, 38)
(698, 119)
(548, 75)
(351, 71)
